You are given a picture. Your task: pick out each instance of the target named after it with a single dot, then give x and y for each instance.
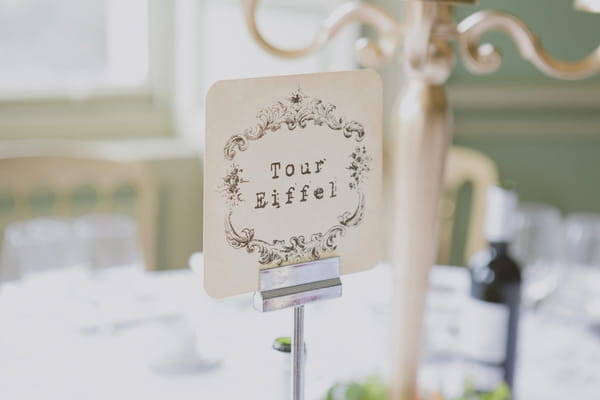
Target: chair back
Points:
(60, 178)
(465, 166)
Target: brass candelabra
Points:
(422, 128)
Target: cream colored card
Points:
(292, 173)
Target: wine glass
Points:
(45, 259)
(582, 262)
(110, 242)
(34, 248)
(537, 245)
(582, 239)
(114, 266)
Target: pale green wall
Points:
(562, 172)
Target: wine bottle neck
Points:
(501, 205)
(500, 247)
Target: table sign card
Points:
(292, 174)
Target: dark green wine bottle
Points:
(490, 316)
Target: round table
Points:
(134, 335)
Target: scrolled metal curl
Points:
(369, 53)
(485, 58)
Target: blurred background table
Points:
(156, 335)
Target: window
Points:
(104, 69)
(62, 47)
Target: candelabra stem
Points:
(422, 130)
(422, 127)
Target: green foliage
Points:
(373, 388)
(502, 392)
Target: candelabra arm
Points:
(485, 58)
(369, 53)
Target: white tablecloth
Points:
(130, 338)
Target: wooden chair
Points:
(465, 166)
(62, 176)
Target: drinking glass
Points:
(114, 268)
(45, 259)
(582, 239)
(582, 262)
(109, 241)
(37, 246)
(537, 246)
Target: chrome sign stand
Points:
(294, 286)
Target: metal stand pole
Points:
(298, 354)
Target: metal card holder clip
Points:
(298, 284)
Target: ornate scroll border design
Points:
(295, 113)
(486, 58)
